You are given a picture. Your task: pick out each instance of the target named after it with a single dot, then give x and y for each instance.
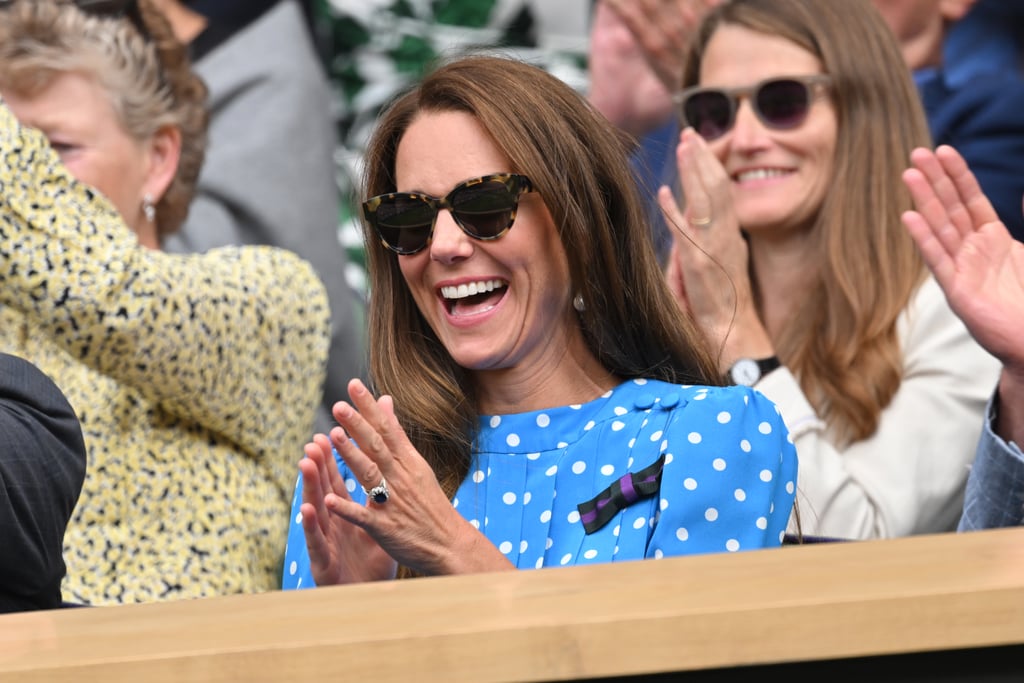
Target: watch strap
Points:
(763, 365)
(766, 365)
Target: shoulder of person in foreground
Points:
(42, 467)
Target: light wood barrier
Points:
(793, 604)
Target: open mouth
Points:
(470, 298)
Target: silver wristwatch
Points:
(749, 371)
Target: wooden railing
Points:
(794, 604)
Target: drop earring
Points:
(148, 209)
(578, 304)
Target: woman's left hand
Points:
(416, 525)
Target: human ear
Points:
(164, 152)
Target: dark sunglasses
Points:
(484, 208)
(779, 103)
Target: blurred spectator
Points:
(195, 378)
(967, 57)
(269, 171)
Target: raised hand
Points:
(974, 258)
(623, 86)
(708, 267)
(977, 263)
(662, 29)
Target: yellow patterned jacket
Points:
(195, 379)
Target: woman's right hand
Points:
(708, 269)
(339, 551)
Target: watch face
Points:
(745, 372)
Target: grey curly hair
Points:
(148, 77)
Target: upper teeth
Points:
(759, 173)
(469, 289)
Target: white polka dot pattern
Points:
(728, 478)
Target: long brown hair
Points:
(842, 341)
(578, 163)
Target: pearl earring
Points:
(148, 209)
(577, 303)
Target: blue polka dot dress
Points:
(647, 470)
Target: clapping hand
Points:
(708, 267)
(414, 524)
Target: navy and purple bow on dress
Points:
(626, 490)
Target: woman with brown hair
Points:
(790, 254)
(542, 400)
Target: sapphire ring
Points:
(378, 494)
